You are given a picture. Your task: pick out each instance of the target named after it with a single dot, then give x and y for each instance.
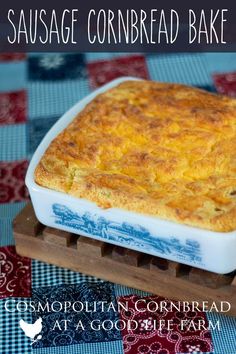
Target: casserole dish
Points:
(146, 233)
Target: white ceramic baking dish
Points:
(213, 251)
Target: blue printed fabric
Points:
(55, 66)
(79, 329)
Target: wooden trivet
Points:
(120, 265)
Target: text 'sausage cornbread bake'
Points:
(165, 150)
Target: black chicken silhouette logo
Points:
(32, 330)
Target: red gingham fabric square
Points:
(13, 106)
(12, 56)
(152, 335)
(15, 274)
(226, 83)
(103, 71)
(12, 185)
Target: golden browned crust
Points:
(160, 149)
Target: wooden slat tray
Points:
(120, 265)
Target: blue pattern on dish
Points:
(127, 234)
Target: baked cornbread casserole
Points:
(159, 149)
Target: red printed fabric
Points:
(13, 106)
(148, 338)
(103, 71)
(12, 56)
(12, 185)
(226, 83)
(15, 274)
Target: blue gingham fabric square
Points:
(44, 275)
(9, 211)
(105, 56)
(224, 340)
(121, 290)
(12, 338)
(6, 233)
(7, 214)
(189, 69)
(219, 62)
(56, 66)
(114, 347)
(13, 142)
(82, 319)
(13, 76)
(37, 129)
(51, 99)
